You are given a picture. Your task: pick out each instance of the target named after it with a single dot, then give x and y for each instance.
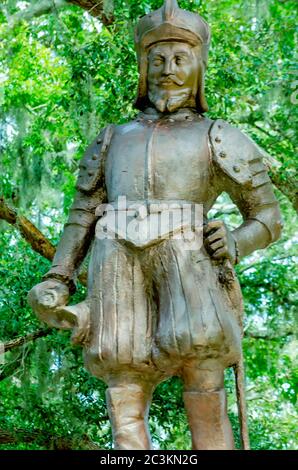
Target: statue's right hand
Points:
(46, 299)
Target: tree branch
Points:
(16, 343)
(102, 9)
(9, 369)
(252, 265)
(32, 234)
(47, 440)
(263, 130)
(269, 337)
(287, 185)
(29, 232)
(36, 10)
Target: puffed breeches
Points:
(154, 310)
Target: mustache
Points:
(171, 79)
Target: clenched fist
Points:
(219, 242)
(46, 299)
(49, 301)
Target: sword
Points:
(241, 402)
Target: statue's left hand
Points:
(219, 242)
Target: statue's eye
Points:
(157, 61)
(179, 60)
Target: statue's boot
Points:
(128, 407)
(208, 420)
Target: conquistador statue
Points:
(157, 307)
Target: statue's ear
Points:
(92, 166)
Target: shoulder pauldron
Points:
(237, 155)
(92, 166)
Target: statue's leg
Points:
(206, 406)
(128, 407)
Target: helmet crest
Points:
(170, 7)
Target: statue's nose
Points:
(168, 67)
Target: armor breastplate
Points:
(160, 159)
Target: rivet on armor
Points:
(237, 169)
(99, 141)
(218, 140)
(222, 155)
(90, 173)
(94, 156)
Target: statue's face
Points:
(173, 75)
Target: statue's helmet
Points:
(171, 23)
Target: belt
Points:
(147, 222)
(144, 207)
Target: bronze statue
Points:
(155, 308)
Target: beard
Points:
(170, 100)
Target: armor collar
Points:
(183, 114)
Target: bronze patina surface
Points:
(157, 307)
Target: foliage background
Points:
(63, 76)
